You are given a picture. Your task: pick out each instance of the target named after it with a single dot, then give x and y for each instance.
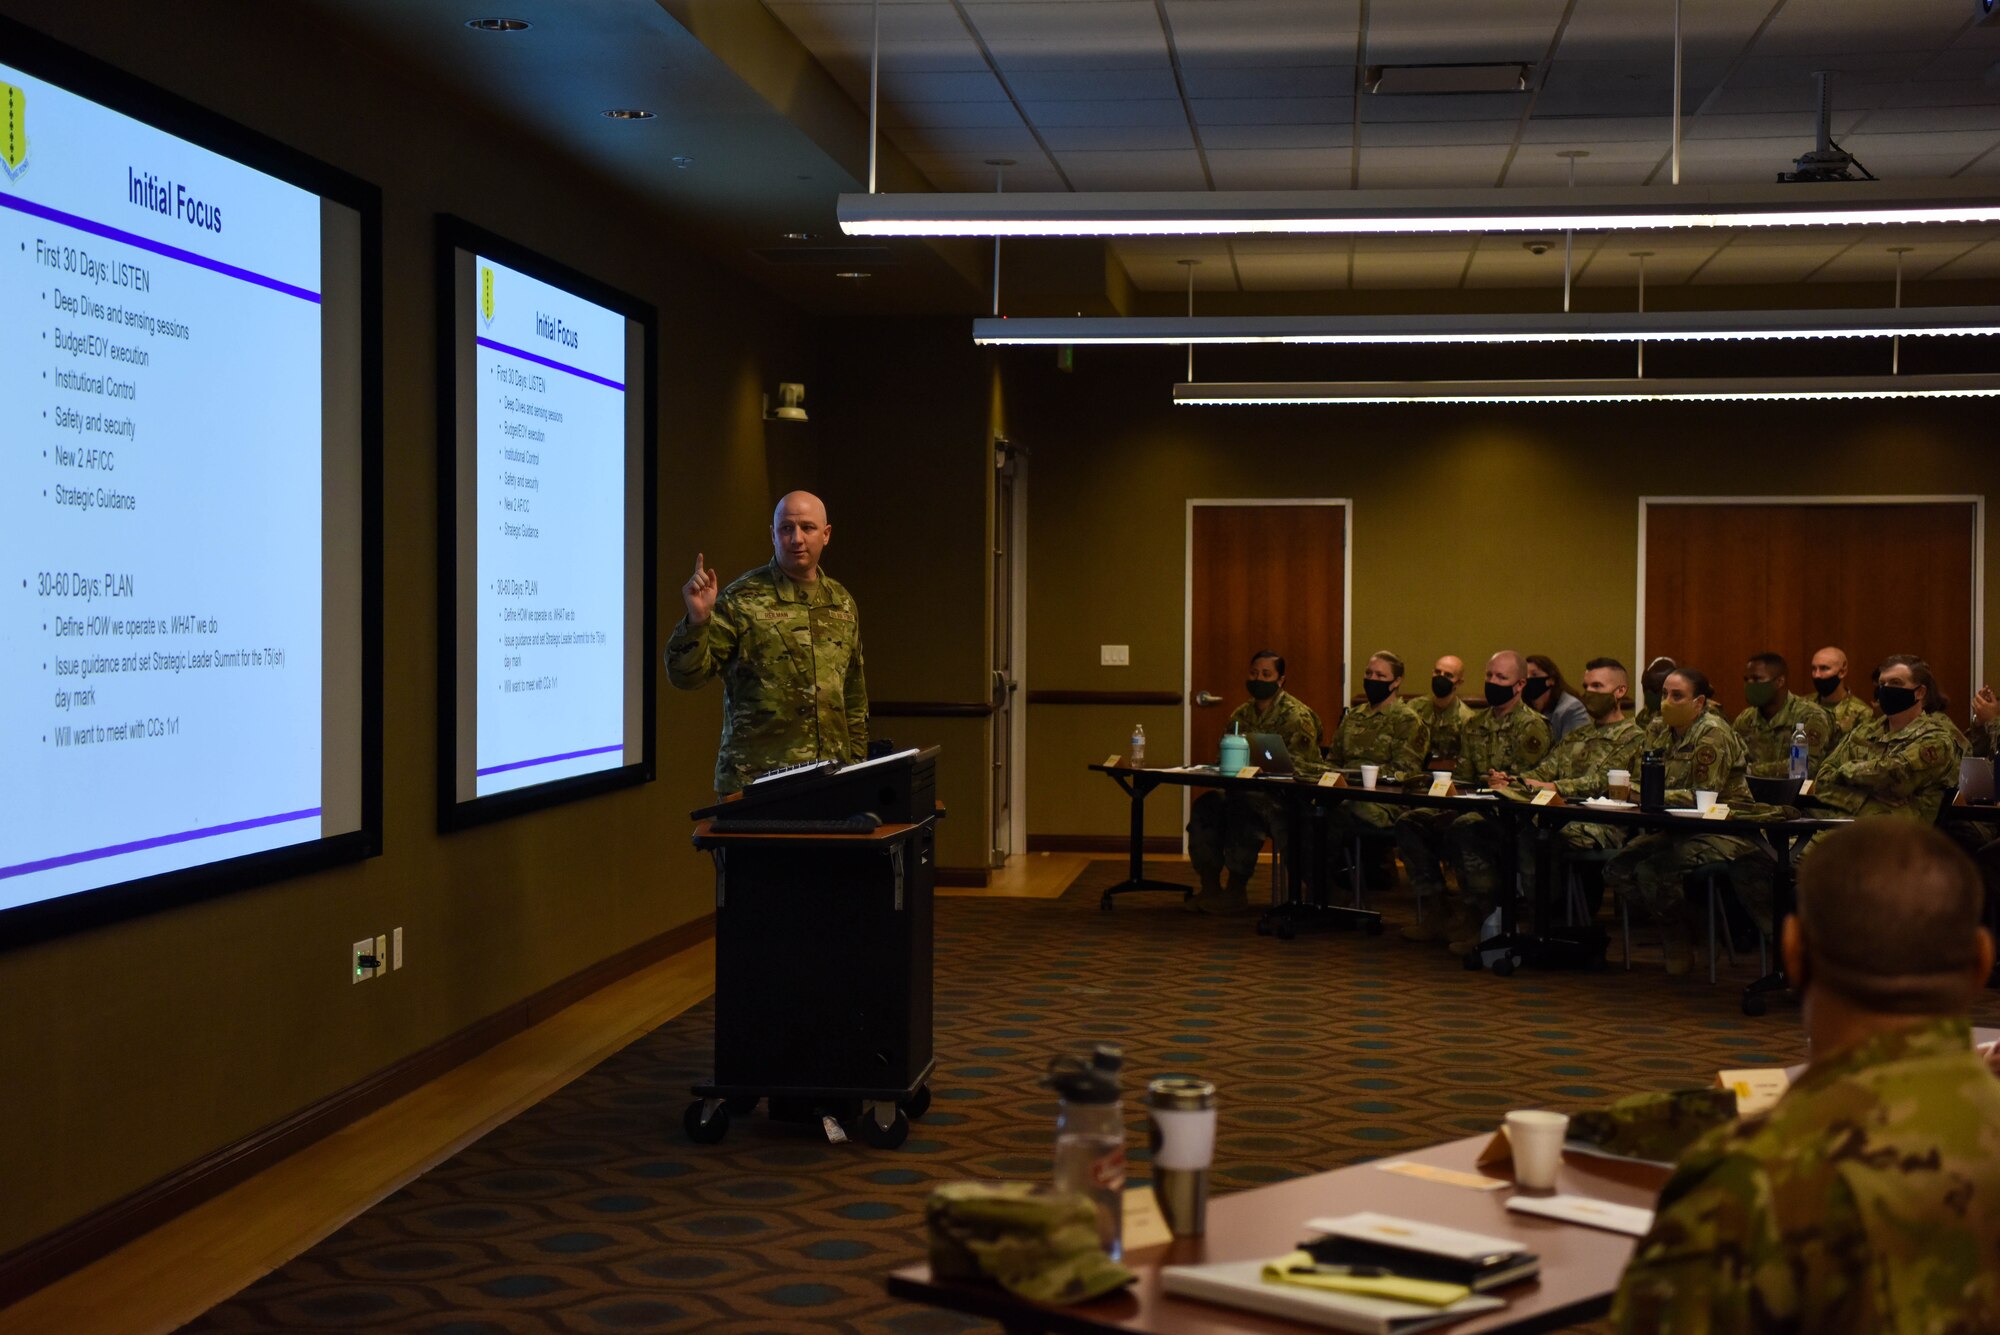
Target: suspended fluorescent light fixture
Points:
(1365, 212)
(1536, 327)
(1587, 391)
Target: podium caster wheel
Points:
(709, 1132)
(741, 1106)
(883, 1137)
(1754, 1005)
(917, 1104)
(1504, 966)
(1285, 929)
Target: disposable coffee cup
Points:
(1703, 799)
(1369, 774)
(1537, 1141)
(1440, 776)
(1618, 785)
(1181, 1113)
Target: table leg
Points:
(1754, 1002)
(1539, 947)
(1135, 874)
(1285, 920)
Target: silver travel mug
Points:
(1180, 1111)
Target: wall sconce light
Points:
(791, 403)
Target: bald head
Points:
(1504, 666)
(799, 533)
(1829, 672)
(1889, 919)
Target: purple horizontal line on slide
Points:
(549, 362)
(157, 841)
(48, 214)
(545, 760)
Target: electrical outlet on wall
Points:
(364, 950)
(1114, 655)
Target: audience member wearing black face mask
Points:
(1552, 698)
(1902, 761)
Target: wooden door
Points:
(1264, 576)
(1727, 581)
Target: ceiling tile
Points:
(1273, 110)
(1752, 263)
(1220, 137)
(1134, 171)
(1123, 138)
(1398, 168)
(1205, 81)
(1155, 112)
(1078, 83)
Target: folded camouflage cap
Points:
(1035, 1242)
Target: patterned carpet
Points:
(593, 1213)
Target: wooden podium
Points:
(823, 951)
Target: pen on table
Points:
(1350, 1271)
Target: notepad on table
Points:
(1241, 1284)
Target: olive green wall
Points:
(904, 418)
(1474, 528)
(141, 1047)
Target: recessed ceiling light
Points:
(683, 161)
(498, 25)
(627, 114)
(854, 273)
(801, 236)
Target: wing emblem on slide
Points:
(486, 294)
(14, 131)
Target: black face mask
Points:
(1498, 695)
(1652, 702)
(1377, 691)
(1261, 690)
(1895, 699)
(1442, 687)
(1534, 688)
(1826, 686)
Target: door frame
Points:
(1187, 608)
(1017, 610)
(1977, 502)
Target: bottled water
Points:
(1090, 1138)
(1138, 745)
(1798, 761)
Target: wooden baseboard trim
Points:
(979, 876)
(83, 1240)
(1101, 843)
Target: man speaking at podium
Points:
(786, 641)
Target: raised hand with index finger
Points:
(699, 592)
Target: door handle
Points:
(1207, 698)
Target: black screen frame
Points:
(98, 81)
(455, 234)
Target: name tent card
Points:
(1443, 788)
(1546, 797)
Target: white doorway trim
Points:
(1977, 502)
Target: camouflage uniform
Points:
(1227, 828)
(1848, 715)
(1709, 757)
(1984, 738)
(1512, 742)
(1393, 737)
(1768, 741)
(1577, 766)
(1867, 1200)
(1445, 727)
(789, 656)
(1875, 772)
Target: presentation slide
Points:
(549, 443)
(164, 606)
